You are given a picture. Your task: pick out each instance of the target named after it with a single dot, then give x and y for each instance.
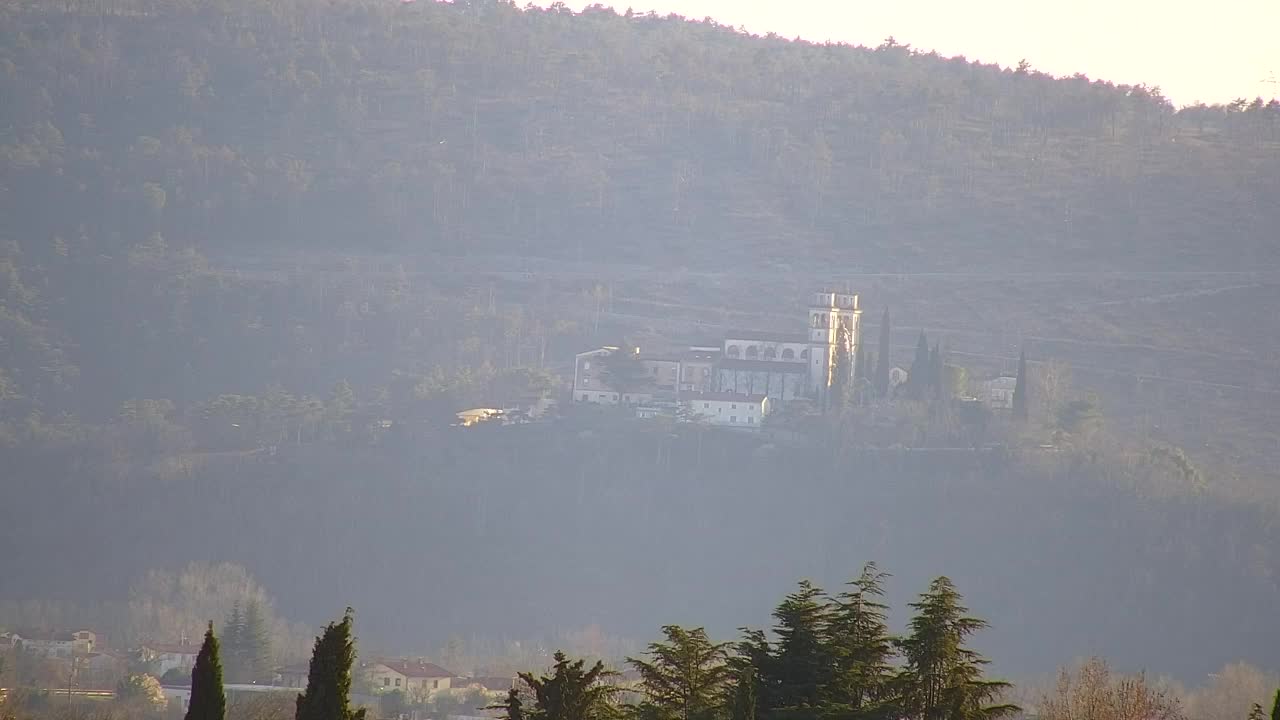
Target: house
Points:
(588, 377)
(1000, 392)
(410, 676)
(104, 667)
(166, 657)
(663, 372)
(727, 409)
(59, 644)
(491, 685)
(698, 368)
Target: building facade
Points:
(727, 409)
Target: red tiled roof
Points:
(416, 669)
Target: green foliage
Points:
(142, 690)
(1275, 707)
(570, 692)
(327, 696)
(803, 658)
(685, 676)
(208, 702)
(862, 646)
(943, 678)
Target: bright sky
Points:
(1194, 50)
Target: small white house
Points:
(1000, 392)
(166, 657)
(727, 409)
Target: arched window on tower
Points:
(804, 354)
(733, 351)
(770, 353)
(788, 354)
(752, 352)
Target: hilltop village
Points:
(746, 377)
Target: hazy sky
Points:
(1210, 51)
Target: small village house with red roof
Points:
(413, 677)
(166, 657)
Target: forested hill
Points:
(478, 127)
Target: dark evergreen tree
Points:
(1020, 400)
(921, 367)
(742, 697)
(208, 701)
(571, 692)
(256, 643)
(327, 696)
(802, 663)
(862, 647)
(685, 676)
(943, 679)
(883, 359)
(512, 707)
(1275, 707)
(234, 646)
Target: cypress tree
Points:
(1020, 400)
(883, 359)
(208, 701)
(327, 696)
(918, 380)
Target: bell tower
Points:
(834, 320)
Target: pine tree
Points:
(883, 359)
(861, 644)
(742, 698)
(256, 639)
(685, 676)
(943, 679)
(571, 692)
(233, 642)
(208, 701)
(802, 665)
(327, 696)
(1020, 399)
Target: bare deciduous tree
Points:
(1093, 692)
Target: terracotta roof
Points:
(413, 669)
(722, 397)
(778, 366)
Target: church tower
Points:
(833, 318)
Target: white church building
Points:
(779, 366)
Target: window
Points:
(733, 406)
(586, 380)
(584, 397)
(733, 418)
(770, 353)
(734, 351)
(788, 354)
(386, 681)
(804, 354)
(435, 684)
(586, 364)
(706, 405)
(397, 682)
(752, 352)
